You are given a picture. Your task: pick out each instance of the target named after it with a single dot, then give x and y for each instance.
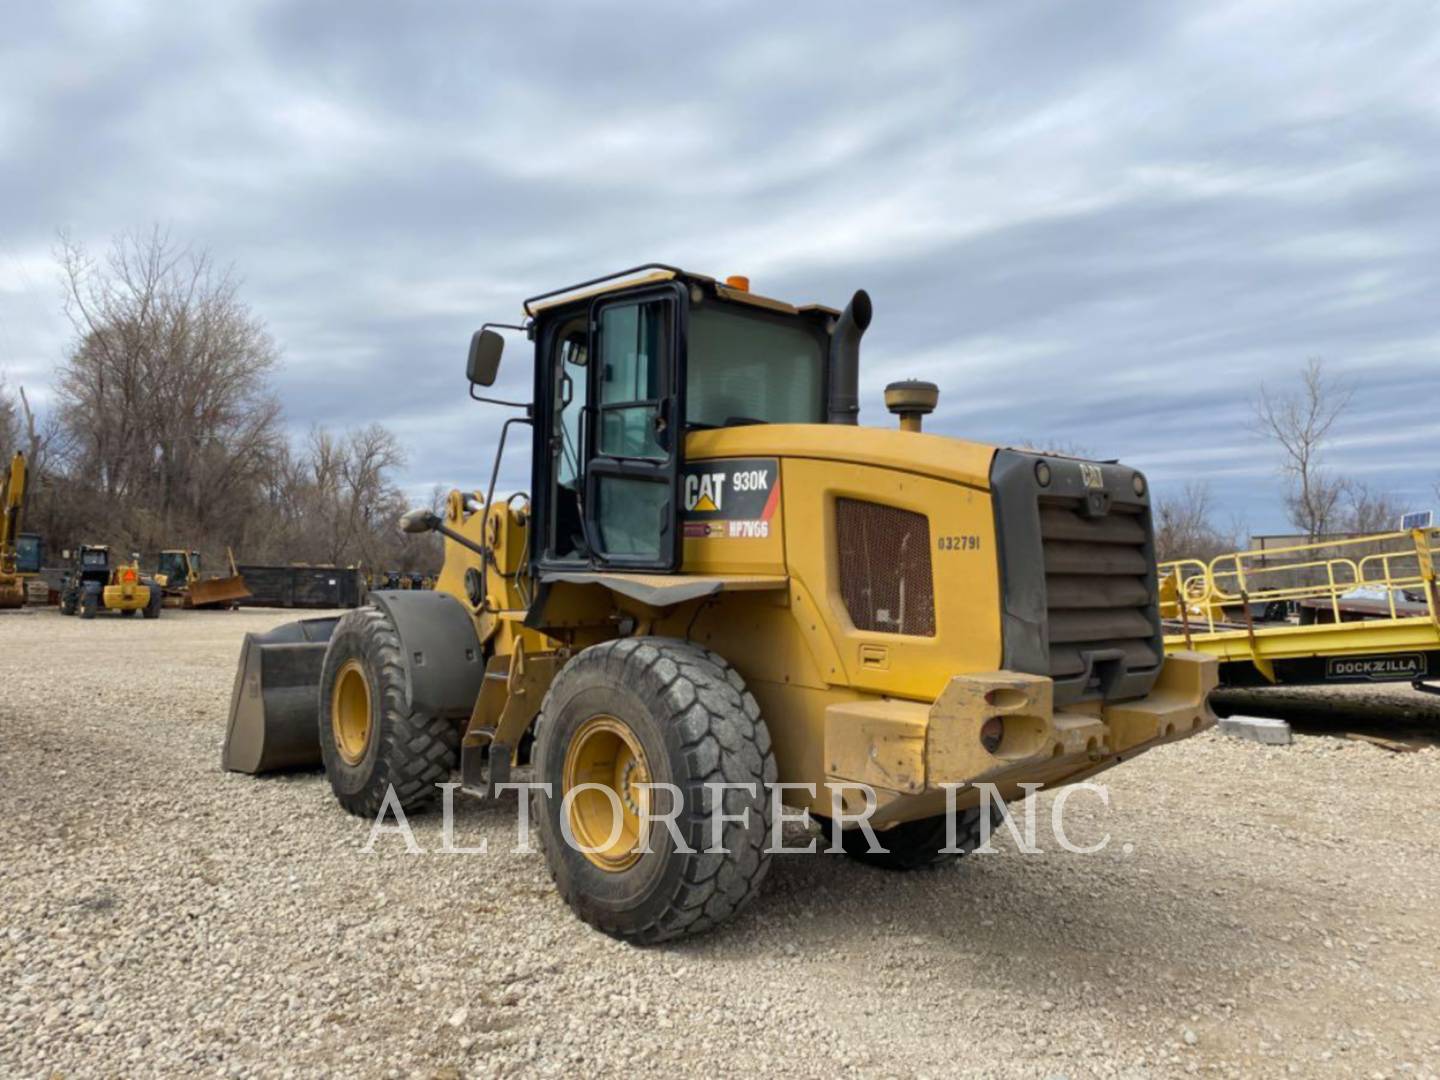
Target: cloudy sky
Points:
(1098, 224)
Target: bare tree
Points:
(9, 423)
(164, 394)
(340, 499)
(1057, 447)
(166, 432)
(1368, 511)
(48, 506)
(1300, 423)
(1185, 527)
(40, 440)
(372, 503)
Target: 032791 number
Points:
(953, 542)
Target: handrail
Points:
(1325, 575)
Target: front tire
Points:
(89, 604)
(152, 605)
(669, 712)
(368, 739)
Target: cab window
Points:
(633, 345)
(572, 388)
(748, 366)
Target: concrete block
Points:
(1257, 729)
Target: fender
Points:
(444, 663)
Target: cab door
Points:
(636, 439)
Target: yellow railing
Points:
(1197, 593)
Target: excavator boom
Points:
(12, 502)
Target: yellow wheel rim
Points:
(350, 712)
(606, 752)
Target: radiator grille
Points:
(885, 575)
(1097, 588)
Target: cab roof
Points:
(650, 273)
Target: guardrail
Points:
(1324, 574)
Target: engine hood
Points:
(938, 456)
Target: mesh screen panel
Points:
(885, 575)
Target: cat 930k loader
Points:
(717, 576)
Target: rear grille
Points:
(1077, 568)
(885, 575)
(1098, 600)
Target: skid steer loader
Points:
(717, 576)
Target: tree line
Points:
(164, 428)
(1320, 503)
(166, 431)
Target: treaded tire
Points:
(68, 603)
(89, 604)
(153, 605)
(698, 725)
(914, 845)
(409, 750)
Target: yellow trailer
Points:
(1359, 609)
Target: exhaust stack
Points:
(844, 404)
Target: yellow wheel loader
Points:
(12, 504)
(177, 572)
(717, 577)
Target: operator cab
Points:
(176, 566)
(625, 366)
(29, 553)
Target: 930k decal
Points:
(733, 498)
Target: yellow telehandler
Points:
(96, 583)
(718, 577)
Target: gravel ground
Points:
(1258, 911)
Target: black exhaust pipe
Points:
(844, 404)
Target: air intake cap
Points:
(911, 400)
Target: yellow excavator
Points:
(12, 505)
(718, 578)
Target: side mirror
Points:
(422, 520)
(484, 363)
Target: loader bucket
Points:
(221, 590)
(275, 703)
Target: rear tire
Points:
(152, 605)
(688, 714)
(89, 604)
(364, 676)
(67, 603)
(914, 845)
